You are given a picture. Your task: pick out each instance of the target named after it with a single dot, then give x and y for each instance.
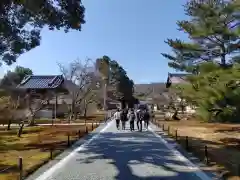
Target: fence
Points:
(19, 172)
(200, 150)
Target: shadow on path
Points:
(136, 156)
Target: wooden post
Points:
(51, 153)
(68, 139)
(206, 155)
(86, 130)
(163, 127)
(176, 135)
(20, 168)
(186, 143)
(168, 129)
(79, 134)
(92, 127)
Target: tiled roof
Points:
(177, 78)
(41, 82)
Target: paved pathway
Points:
(123, 155)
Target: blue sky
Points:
(129, 31)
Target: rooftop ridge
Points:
(53, 80)
(41, 81)
(26, 78)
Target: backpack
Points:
(146, 116)
(140, 115)
(132, 116)
(124, 116)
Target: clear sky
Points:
(129, 31)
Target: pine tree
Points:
(213, 29)
(119, 82)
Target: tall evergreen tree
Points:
(118, 79)
(213, 29)
(214, 32)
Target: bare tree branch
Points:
(80, 75)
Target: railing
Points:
(19, 170)
(201, 150)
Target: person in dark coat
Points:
(131, 117)
(124, 118)
(139, 115)
(146, 118)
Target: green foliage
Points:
(214, 32)
(22, 21)
(212, 57)
(117, 78)
(217, 95)
(104, 67)
(13, 78)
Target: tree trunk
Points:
(31, 121)
(223, 55)
(85, 111)
(175, 117)
(123, 104)
(20, 130)
(70, 118)
(75, 113)
(9, 124)
(72, 112)
(75, 116)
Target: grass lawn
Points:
(222, 141)
(33, 146)
(99, 117)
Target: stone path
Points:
(123, 155)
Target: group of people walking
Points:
(132, 115)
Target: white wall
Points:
(44, 114)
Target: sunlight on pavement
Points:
(180, 168)
(149, 170)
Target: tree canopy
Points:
(213, 30)
(21, 23)
(211, 57)
(117, 78)
(13, 78)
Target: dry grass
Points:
(98, 117)
(89, 119)
(222, 141)
(34, 147)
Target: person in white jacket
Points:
(117, 117)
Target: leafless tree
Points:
(91, 98)
(35, 104)
(81, 84)
(16, 106)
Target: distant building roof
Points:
(149, 90)
(41, 82)
(177, 78)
